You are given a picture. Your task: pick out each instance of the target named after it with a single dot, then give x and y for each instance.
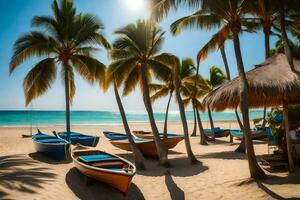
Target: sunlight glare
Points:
(135, 5)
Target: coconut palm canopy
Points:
(270, 83)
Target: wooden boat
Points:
(149, 135)
(107, 168)
(114, 135)
(256, 135)
(51, 146)
(218, 132)
(146, 146)
(78, 138)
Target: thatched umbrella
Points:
(271, 83)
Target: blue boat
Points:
(218, 132)
(78, 138)
(114, 135)
(51, 146)
(255, 134)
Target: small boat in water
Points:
(218, 132)
(107, 168)
(256, 135)
(78, 138)
(51, 146)
(114, 135)
(149, 135)
(147, 146)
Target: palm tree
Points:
(110, 79)
(175, 65)
(216, 78)
(162, 90)
(188, 90)
(67, 40)
(230, 14)
(135, 60)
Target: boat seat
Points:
(114, 164)
(97, 158)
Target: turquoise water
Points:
(35, 118)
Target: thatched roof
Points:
(269, 83)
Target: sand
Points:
(220, 174)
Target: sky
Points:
(16, 18)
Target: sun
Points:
(135, 4)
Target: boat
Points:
(78, 138)
(114, 135)
(256, 135)
(51, 146)
(149, 135)
(147, 146)
(218, 132)
(105, 167)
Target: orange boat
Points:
(108, 168)
(149, 135)
(146, 146)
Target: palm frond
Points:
(39, 79)
(164, 91)
(200, 19)
(89, 68)
(29, 46)
(214, 43)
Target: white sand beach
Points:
(220, 174)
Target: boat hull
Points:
(151, 136)
(256, 135)
(118, 181)
(56, 151)
(78, 138)
(148, 148)
(114, 136)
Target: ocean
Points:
(36, 118)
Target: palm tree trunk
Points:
(138, 156)
(255, 171)
(67, 99)
(212, 127)
(222, 50)
(202, 135)
(267, 55)
(166, 117)
(238, 119)
(161, 149)
(183, 117)
(287, 49)
(241, 148)
(195, 123)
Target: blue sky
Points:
(15, 20)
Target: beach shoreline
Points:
(221, 173)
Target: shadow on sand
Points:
(97, 190)
(181, 167)
(230, 155)
(17, 172)
(45, 159)
(272, 180)
(176, 192)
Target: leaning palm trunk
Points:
(241, 148)
(183, 117)
(287, 49)
(222, 49)
(212, 127)
(166, 117)
(202, 135)
(255, 171)
(267, 54)
(161, 149)
(138, 156)
(67, 98)
(195, 123)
